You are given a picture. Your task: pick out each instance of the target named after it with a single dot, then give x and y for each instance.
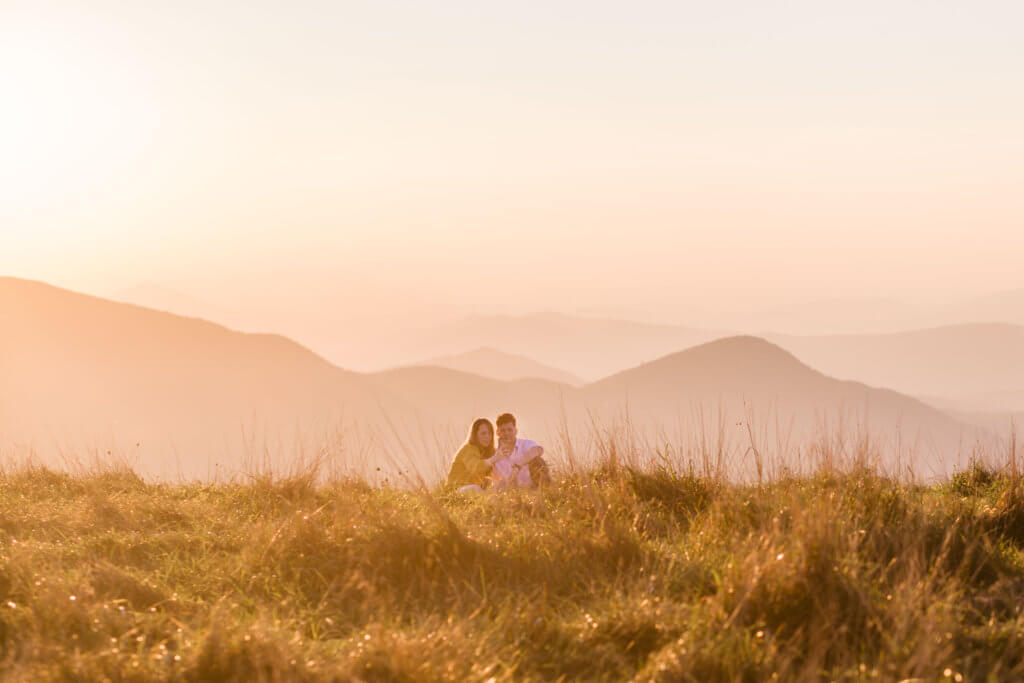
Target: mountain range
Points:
(872, 316)
(489, 362)
(970, 366)
(975, 366)
(182, 395)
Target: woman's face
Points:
(484, 435)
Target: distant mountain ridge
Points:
(193, 393)
(977, 366)
(969, 366)
(875, 316)
(80, 369)
(589, 348)
(974, 366)
(751, 379)
(490, 362)
(161, 298)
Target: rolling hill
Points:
(81, 371)
(161, 298)
(1006, 306)
(973, 366)
(873, 316)
(730, 383)
(489, 362)
(78, 369)
(589, 348)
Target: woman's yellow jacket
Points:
(468, 467)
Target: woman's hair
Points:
(487, 448)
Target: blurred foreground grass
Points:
(607, 574)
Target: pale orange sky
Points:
(437, 158)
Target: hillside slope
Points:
(976, 366)
(78, 371)
(496, 364)
(589, 348)
(741, 380)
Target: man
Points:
(517, 462)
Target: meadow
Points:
(613, 572)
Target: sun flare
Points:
(71, 119)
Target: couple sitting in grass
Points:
(514, 463)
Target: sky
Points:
(416, 159)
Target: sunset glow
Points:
(365, 136)
(462, 340)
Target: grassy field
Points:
(607, 574)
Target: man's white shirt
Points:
(505, 469)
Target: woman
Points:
(472, 463)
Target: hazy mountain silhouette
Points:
(871, 316)
(586, 347)
(750, 379)
(589, 348)
(972, 366)
(704, 398)
(592, 348)
(1006, 306)
(830, 316)
(162, 298)
(488, 362)
(78, 369)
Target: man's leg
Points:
(539, 472)
(523, 478)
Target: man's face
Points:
(507, 432)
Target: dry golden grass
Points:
(610, 573)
